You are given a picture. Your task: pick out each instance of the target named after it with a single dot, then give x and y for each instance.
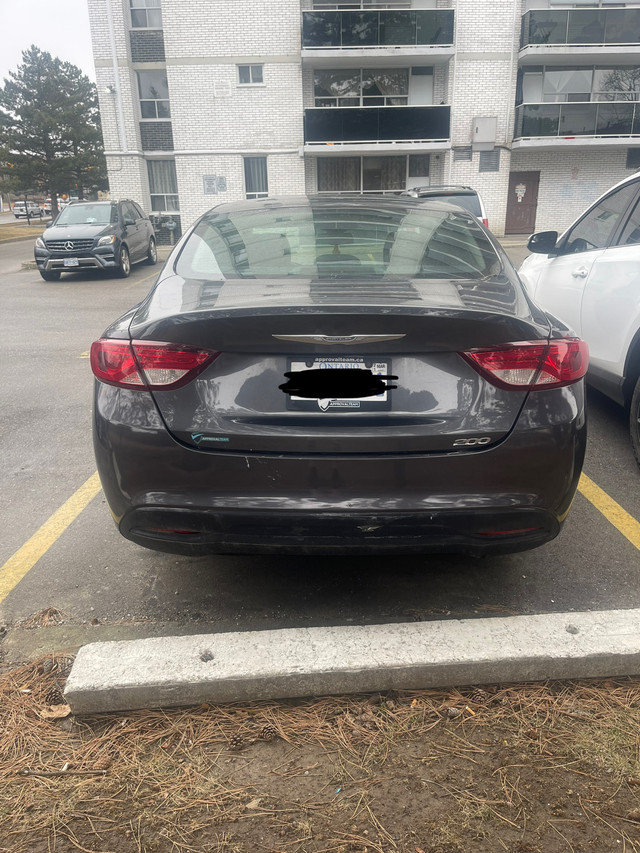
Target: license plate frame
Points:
(71, 262)
(333, 405)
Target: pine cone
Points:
(479, 695)
(268, 732)
(103, 763)
(53, 696)
(237, 741)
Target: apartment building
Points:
(534, 103)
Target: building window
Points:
(633, 158)
(154, 94)
(256, 184)
(366, 87)
(250, 75)
(146, 14)
(489, 161)
(365, 174)
(163, 185)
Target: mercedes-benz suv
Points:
(101, 235)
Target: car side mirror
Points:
(129, 221)
(543, 243)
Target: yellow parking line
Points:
(612, 511)
(28, 555)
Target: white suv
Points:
(20, 209)
(590, 278)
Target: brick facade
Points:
(216, 120)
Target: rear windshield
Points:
(87, 214)
(469, 201)
(342, 241)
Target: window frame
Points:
(251, 66)
(167, 208)
(253, 194)
(154, 101)
(143, 7)
(617, 228)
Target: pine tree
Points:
(50, 132)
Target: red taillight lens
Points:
(532, 365)
(485, 222)
(142, 364)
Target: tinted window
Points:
(630, 235)
(594, 230)
(140, 214)
(340, 241)
(129, 212)
(469, 202)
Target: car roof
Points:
(370, 200)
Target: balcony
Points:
(579, 35)
(576, 124)
(350, 37)
(380, 129)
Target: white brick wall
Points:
(570, 181)
(215, 121)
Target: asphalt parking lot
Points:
(73, 560)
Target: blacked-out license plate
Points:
(378, 367)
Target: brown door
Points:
(522, 203)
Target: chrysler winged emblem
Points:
(345, 340)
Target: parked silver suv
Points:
(466, 197)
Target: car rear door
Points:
(135, 231)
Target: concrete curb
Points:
(171, 671)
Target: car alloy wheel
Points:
(152, 252)
(124, 263)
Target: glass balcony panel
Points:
(586, 27)
(545, 27)
(614, 119)
(635, 127)
(372, 29)
(360, 29)
(321, 29)
(435, 26)
(537, 120)
(577, 119)
(397, 28)
(377, 124)
(622, 26)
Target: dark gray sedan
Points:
(338, 375)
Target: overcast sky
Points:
(59, 26)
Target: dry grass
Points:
(12, 230)
(206, 778)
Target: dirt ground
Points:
(538, 768)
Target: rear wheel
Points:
(634, 421)
(124, 263)
(152, 252)
(50, 275)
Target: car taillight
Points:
(532, 365)
(485, 222)
(147, 365)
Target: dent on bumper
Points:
(172, 498)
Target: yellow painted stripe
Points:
(612, 511)
(28, 555)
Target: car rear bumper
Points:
(194, 532)
(511, 497)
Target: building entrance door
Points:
(522, 203)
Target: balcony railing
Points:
(580, 27)
(348, 126)
(348, 30)
(590, 118)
